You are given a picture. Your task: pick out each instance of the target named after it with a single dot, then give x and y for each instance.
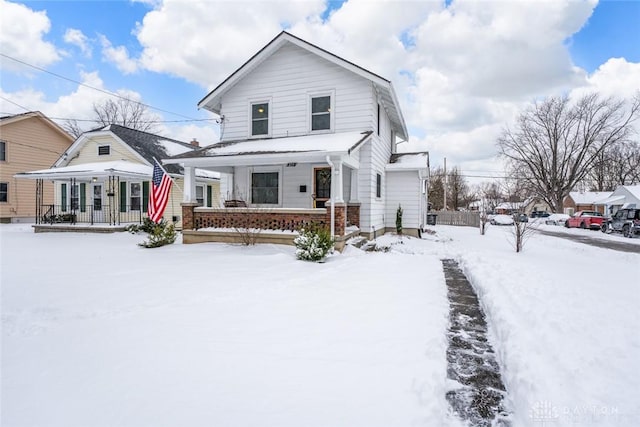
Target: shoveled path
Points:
(471, 360)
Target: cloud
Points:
(77, 38)
(118, 56)
(21, 36)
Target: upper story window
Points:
(104, 150)
(3, 151)
(259, 118)
(321, 112)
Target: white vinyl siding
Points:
(117, 151)
(403, 188)
(288, 78)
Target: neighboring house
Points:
(509, 208)
(535, 204)
(584, 201)
(309, 137)
(104, 178)
(623, 196)
(27, 141)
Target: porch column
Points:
(353, 197)
(189, 194)
(336, 182)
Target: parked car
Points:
(585, 219)
(502, 220)
(540, 214)
(625, 221)
(556, 219)
(522, 218)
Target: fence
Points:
(469, 219)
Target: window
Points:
(135, 196)
(260, 118)
(200, 195)
(264, 188)
(4, 192)
(378, 185)
(75, 196)
(321, 113)
(3, 151)
(104, 150)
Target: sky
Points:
(462, 69)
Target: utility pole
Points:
(444, 186)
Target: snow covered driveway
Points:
(99, 332)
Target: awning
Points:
(87, 171)
(613, 200)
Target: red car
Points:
(585, 219)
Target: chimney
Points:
(195, 143)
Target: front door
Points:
(321, 186)
(96, 200)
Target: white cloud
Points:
(21, 36)
(77, 38)
(617, 77)
(118, 56)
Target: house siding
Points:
(403, 188)
(31, 144)
(88, 153)
(287, 79)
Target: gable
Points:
(383, 88)
(89, 151)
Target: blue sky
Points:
(468, 69)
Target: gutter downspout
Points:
(333, 207)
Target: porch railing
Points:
(89, 214)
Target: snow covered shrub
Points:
(160, 234)
(399, 220)
(146, 226)
(313, 244)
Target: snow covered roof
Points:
(634, 190)
(121, 168)
(588, 197)
(294, 148)
(408, 161)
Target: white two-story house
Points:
(307, 136)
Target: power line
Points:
(93, 88)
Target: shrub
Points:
(147, 226)
(399, 220)
(313, 244)
(160, 234)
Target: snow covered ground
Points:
(97, 331)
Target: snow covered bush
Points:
(160, 234)
(313, 244)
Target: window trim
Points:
(264, 169)
(253, 102)
(102, 146)
(331, 94)
(6, 184)
(3, 151)
(204, 195)
(130, 196)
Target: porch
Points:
(267, 225)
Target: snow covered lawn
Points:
(99, 332)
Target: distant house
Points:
(584, 201)
(104, 178)
(308, 136)
(27, 141)
(509, 208)
(535, 204)
(623, 196)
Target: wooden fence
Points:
(469, 219)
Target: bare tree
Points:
(521, 232)
(122, 111)
(618, 165)
(556, 143)
(436, 189)
(457, 189)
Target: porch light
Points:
(94, 179)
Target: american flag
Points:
(159, 194)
